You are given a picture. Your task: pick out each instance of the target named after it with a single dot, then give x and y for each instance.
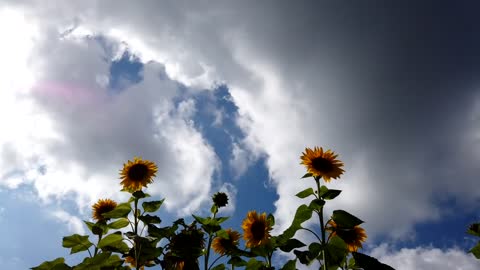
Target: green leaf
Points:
(331, 194)
(303, 214)
(148, 219)
(203, 221)
(323, 190)
(57, 264)
(303, 256)
(219, 220)
(101, 261)
(290, 265)
(291, 244)
(76, 242)
(253, 264)
(306, 175)
(474, 229)
(163, 232)
(369, 263)
(152, 206)
(110, 240)
(305, 193)
(122, 210)
(345, 220)
(214, 209)
(139, 194)
(237, 261)
(222, 233)
(316, 204)
(89, 224)
(476, 251)
(315, 249)
(336, 251)
(271, 219)
(118, 224)
(219, 267)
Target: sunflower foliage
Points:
(129, 235)
(474, 229)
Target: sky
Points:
(225, 96)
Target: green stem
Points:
(215, 261)
(322, 227)
(210, 238)
(135, 232)
(98, 242)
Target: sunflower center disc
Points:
(258, 230)
(322, 164)
(138, 172)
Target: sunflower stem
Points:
(210, 238)
(215, 261)
(322, 227)
(135, 232)
(98, 242)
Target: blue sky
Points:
(226, 97)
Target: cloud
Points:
(74, 224)
(391, 100)
(425, 258)
(68, 136)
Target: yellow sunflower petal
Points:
(322, 163)
(102, 206)
(352, 237)
(137, 174)
(256, 229)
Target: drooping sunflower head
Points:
(102, 206)
(220, 199)
(137, 174)
(256, 229)
(322, 163)
(188, 243)
(224, 246)
(353, 237)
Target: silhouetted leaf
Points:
(152, 206)
(345, 220)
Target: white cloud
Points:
(425, 258)
(74, 224)
(66, 122)
(295, 86)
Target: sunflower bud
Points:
(220, 199)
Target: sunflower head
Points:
(256, 229)
(322, 163)
(353, 237)
(137, 174)
(220, 199)
(188, 244)
(224, 246)
(130, 261)
(172, 262)
(102, 206)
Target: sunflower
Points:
(352, 237)
(224, 246)
(132, 263)
(256, 229)
(220, 199)
(320, 163)
(102, 206)
(137, 174)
